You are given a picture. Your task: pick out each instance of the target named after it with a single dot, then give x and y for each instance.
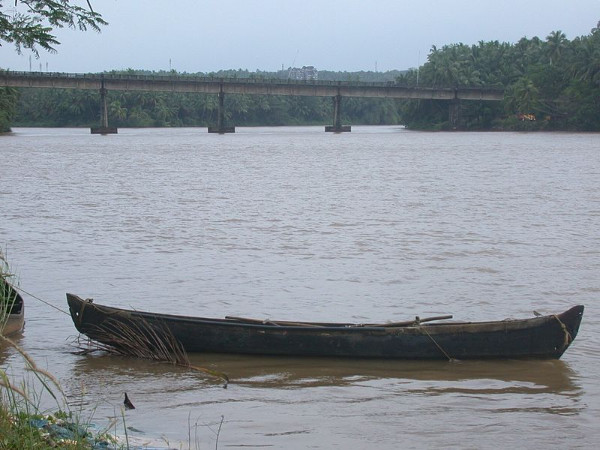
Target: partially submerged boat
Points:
(12, 309)
(538, 337)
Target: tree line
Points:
(549, 84)
(66, 107)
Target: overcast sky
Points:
(345, 35)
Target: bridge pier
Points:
(221, 128)
(337, 117)
(454, 114)
(104, 128)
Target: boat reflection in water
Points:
(553, 375)
(312, 398)
(272, 372)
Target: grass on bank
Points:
(24, 425)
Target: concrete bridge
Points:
(252, 86)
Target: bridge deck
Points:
(254, 86)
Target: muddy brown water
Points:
(297, 224)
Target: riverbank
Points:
(24, 424)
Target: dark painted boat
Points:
(538, 337)
(12, 310)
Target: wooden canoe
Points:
(538, 337)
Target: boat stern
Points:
(570, 320)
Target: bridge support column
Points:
(221, 128)
(104, 128)
(454, 114)
(337, 117)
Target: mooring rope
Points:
(43, 301)
(436, 344)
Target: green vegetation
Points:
(30, 23)
(549, 85)
(173, 110)
(23, 425)
(8, 105)
(27, 430)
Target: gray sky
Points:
(346, 35)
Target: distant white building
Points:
(305, 73)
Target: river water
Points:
(294, 223)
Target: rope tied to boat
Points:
(39, 299)
(418, 325)
(568, 337)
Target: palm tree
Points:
(117, 111)
(8, 106)
(522, 96)
(556, 43)
(586, 64)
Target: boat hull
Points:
(13, 325)
(539, 337)
(13, 320)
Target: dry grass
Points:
(142, 339)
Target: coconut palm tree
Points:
(522, 96)
(556, 43)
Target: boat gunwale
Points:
(465, 326)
